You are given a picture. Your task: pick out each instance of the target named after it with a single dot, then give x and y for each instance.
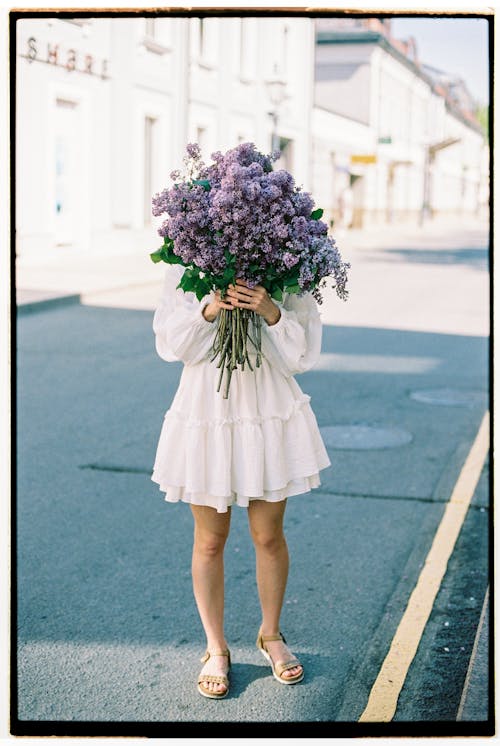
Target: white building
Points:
(406, 149)
(97, 102)
(106, 106)
(233, 62)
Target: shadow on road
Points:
(102, 559)
(473, 258)
(100, 555)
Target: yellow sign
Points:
(363, 158)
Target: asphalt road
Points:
(108, 632)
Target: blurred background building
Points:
(105, 107)
(396, 136)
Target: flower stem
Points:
(230, 343)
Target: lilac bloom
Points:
(261, 217)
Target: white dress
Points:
(263, 441)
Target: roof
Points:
(368, 36)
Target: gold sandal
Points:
(216, 679)
(278, 668)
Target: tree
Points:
(482, 115)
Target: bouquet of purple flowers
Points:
(238, 218)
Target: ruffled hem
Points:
(221, 503)
(251, 457)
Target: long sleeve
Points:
(181, 331)
(293, 344)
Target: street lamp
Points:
(276, 90)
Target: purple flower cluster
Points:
(239, 204)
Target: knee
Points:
(269, 541)
(210, 545)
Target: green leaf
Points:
(293, 288)
(203, 288)
(202, 182)
(157, 256)
(192, 282)
(174, 259)
(316, 214)
(292, 275)
(228, 276)
(277, 294)
(230, 258)
(166, 253)
(189, 280)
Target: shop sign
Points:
(70, 59)
(363, 158)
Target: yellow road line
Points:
(384, 694)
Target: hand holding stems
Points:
(255, 299)
(245, 304)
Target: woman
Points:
(254, 449)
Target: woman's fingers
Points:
(239, 299)
(242, 285)
(222, 303)
(255, 299)
(241, 296)
(241, 290)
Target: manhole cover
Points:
(448, 397)
(364, 437)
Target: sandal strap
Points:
(209, 653)
(213, 678)
(280, 667)
(271, 638)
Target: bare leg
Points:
(266, 528)
(211, 530)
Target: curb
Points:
(47, 303)
(475, 704)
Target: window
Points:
(149, 132)
(286, 146)
(151, 27)
(201, 138)
(157, 34)
(66, 170)
(247, 48)
(202, 38)
(281, 50)
(242, 42)
(284, 49)
(243, 46)
(204, 41)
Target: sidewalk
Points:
(134, 281)
(130, 280)
(474, 704)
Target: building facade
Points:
(106, 105)
(96, 103)
(410, 147)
